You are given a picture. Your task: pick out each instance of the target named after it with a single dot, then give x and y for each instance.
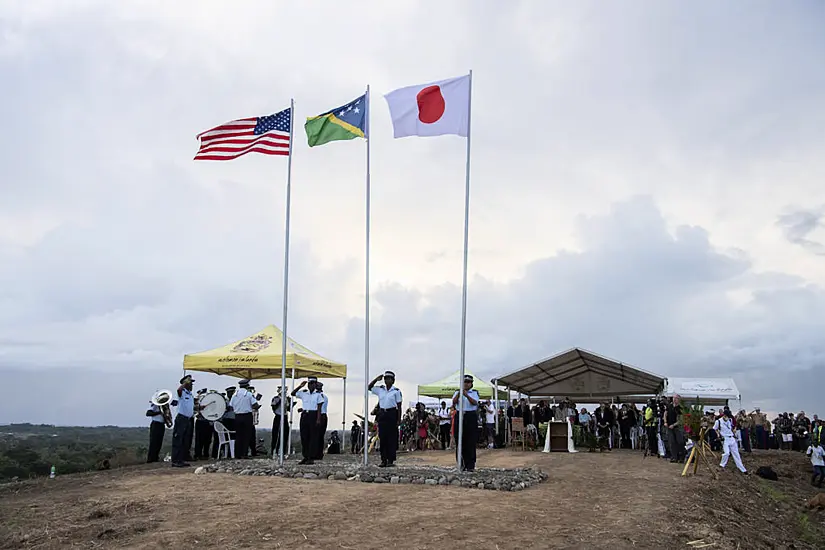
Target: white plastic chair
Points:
(224, 439)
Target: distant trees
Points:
(28, 450)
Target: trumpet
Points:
(161, 399)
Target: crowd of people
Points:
(663, 426)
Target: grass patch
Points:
(806, 530)
(776, 495)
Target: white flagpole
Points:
(286, 280)
(367, 288)
(464, 281)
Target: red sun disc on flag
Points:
(430, 104)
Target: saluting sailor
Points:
(321, 432)
(470, 421)
(389, 415)
(310, 417)
(243, 403)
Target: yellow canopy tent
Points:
(446, 387)
(259, 356)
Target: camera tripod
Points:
(700, 450)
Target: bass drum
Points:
(213, 406)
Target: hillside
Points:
(591, 500)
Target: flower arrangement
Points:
(692, 417)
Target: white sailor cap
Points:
(312, 378)
(468, 378)
(390, 374)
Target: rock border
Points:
(494, 479)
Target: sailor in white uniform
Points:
(310, 416)
(724, 427)
(243, 403)
(321, 432)
(389, 414)
(470, 422)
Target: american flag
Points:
(264, 134)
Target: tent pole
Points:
(495, 397)
(291, 409)
(344, 420)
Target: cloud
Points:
(629, 167)
(798, 226)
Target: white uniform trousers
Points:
(730, 447)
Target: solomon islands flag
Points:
(345, 122)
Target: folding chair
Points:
(225, 442)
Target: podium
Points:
(559, 437)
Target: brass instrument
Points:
(162, 399)
(255, 412)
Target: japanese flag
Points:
(433, 109)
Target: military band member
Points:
(310, 417)
(389, 415)
(157, 429)
(321, 432)
(276, 423)
(469, 437)
(203, 433)
(243, 403)
(253, 437)
(182, 431)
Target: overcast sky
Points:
(647, 183)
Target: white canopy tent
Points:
(710, 391)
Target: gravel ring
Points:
(501, 479)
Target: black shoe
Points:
(383, 465)
(303, 461)
(470, 470)
(309, 462)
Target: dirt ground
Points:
(592, 500)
